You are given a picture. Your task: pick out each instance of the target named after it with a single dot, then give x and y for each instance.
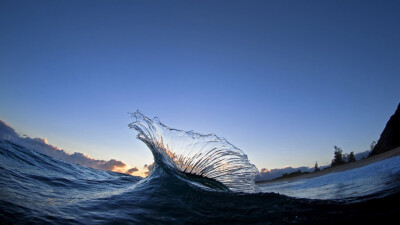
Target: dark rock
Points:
(390, 137)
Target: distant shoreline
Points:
(347, 166)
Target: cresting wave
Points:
(193, 154)
(38, 189)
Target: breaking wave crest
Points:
(206, 156)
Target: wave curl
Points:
(189, 152)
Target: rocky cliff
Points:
(390, 137)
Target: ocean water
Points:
(382, 178)
(196, 179)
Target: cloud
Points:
(148, 168)
(42, 146)
(7, 132)
(132, 170)
(266, 174)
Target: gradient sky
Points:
(282, 80)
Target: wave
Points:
(38, 189)
(206, 158)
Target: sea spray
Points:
(188, 152)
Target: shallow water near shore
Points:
(188, 187)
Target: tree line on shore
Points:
(339, 158)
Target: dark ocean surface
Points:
(196, 179)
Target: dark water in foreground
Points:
(37, 189)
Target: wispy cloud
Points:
(41, 145)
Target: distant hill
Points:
(390, 137)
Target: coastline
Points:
(348, 166)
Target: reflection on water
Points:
(377, 177)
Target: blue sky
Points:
(282, 80)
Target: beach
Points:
(348, 166)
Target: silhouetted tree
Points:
(345, 157)
(338, 157)
(371, 147)
(351, 158)
(316, 168)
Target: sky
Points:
(284, 81)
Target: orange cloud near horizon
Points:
(41, 145)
